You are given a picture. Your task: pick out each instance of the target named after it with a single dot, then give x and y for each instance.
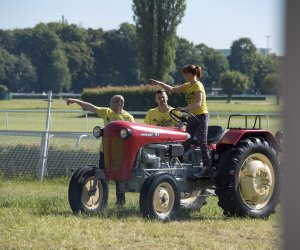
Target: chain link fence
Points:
(21, 153)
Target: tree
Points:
(271, 85)
(242, 57)
(232, 81)
(49, 58)
(16, 72)
(121, 67)
(266, 64)
(81, 65)
(213, 64)
(156, 23)
(68, 33)
(185, 54)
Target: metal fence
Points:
(7, 118)
(22, 153)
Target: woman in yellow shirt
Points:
(196, 100)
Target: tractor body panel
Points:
(233, 136)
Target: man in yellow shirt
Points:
(114, 112)
(160, 116)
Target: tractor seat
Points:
(214, 134)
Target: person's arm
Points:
(84, 105)
(196, 104)
(167, 87)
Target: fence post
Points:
(6, 118)
(45, 139)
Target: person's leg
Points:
(203, 129)
(191, 130)
(202, 135)
(120, 193)
(101, 161)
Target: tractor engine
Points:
(156, 156)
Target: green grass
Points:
(76, 121)
(36, 214)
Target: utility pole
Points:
(268, 38)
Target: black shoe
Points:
(203, 174)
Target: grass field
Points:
(36, 215)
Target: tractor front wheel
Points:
(88, 190)
(247, 182)
(160, 197)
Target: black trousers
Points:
(198, 131)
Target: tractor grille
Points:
(113, 153)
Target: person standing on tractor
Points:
(196, 98)
(160, 116)
(114, 112)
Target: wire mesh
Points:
(20, 152)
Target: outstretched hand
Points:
(70, 101)
(154, 82)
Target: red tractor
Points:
(151, 160)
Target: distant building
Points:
(226, 52)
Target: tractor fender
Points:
(233, 136)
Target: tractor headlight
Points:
(125, 133)
(97, 132)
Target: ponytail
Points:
(198, 71)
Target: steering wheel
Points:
(182, 118)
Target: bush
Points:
(137, 98)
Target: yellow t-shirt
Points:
(190, 96)
(157, 118)
(108, 115)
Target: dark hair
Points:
(160, 91)
(193, 69)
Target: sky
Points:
(216, 23)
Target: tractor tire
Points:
(160, 197)
(194, 201)
(248, 179)
(81, 196)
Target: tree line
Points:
(65, 57)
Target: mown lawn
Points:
(36, 214)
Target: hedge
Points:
(137, 98)
(141, 98)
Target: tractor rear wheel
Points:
(194, 200)
(160, 197)
(247, 181)
(88, 190)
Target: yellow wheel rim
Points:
(256, 181)
(163, 199)
(91, 199)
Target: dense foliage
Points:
(65, 57)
